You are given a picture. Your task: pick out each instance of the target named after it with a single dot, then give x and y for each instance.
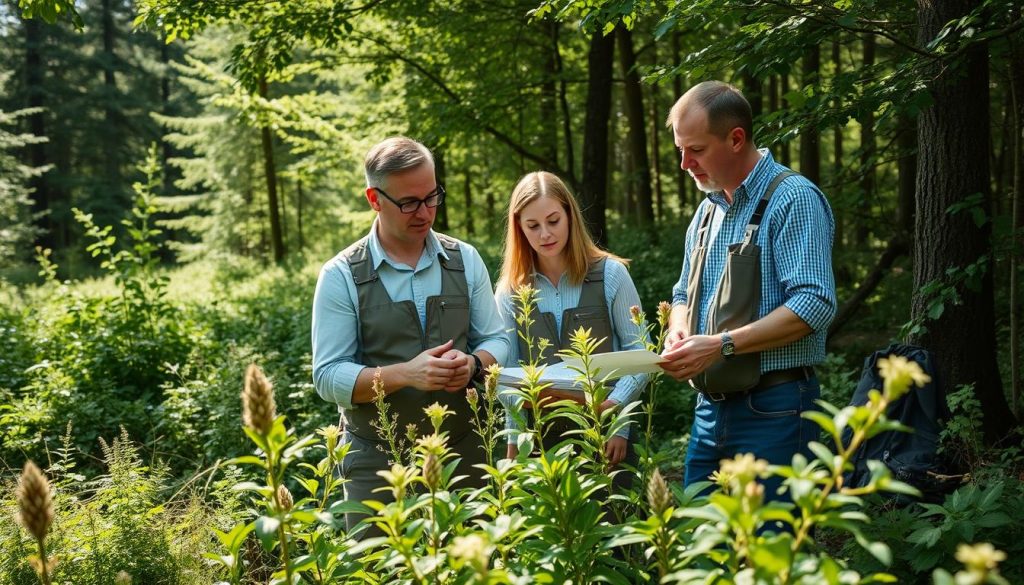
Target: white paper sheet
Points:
(561, 375)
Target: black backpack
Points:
(912, 457)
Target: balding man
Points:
(756, 293)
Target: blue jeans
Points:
(766, 423)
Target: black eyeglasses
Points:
(412, 205)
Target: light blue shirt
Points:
(796, 257)
(336, 328)
(620, 294)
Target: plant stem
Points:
(44, 572)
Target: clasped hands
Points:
(440, 368)
(689, 355)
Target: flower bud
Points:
(122, 578)
(431, 471)
(284, 498)
(472, 397)
(258, 408)
(35, 503)
(664, 312)
(410, 432)
(658, 496)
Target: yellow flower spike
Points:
(981, 557)
(434, 444)
(437, 413)
(899, 374)
(331, 434)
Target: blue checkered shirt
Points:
(796, 256)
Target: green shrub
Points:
(112, 523)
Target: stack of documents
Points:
(614, 365)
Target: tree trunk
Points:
(270, 171)
(467, 190)
(594, 184)
(810, 137)
(563, 100)
(677, 88)
(43, 204)
(784, 157)
(298, 212)
(548, 96)
(752, 91)
(837, 148)
(867, 156)
(640, 176)
(112, 134)
(953, 165)
(1016, 308)
(441, 174)
(656, 117)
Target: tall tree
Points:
(810, 136)
(951, 249)
(594, 185)
(640, 177)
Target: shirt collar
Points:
(378, 255)
(741, 194)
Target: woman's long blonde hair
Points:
(519, 262)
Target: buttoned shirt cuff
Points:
(336, 383)
(496, 347)
(814, 310)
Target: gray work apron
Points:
(390, 333)
(590, 313)
(736, 300)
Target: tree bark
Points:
(953, 165)
(867, 155)
(467, 191)
(640, 177)
(43, 203)
(784, 157)
(270, 171)
(548, 95)
(837, 148)
(656, 121)
(594, 184)
(112, 134)
(441, 175)
(1016, 308)
(810, 136)
(677, 88)
(298, 212)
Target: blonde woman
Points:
(547, 246)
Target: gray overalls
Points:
(390, 333)
(736, 301)
(590, 313)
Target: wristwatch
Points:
(478, 369)
(728, 347)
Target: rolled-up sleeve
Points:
(486, 327)
(802, 237)
(335, 335)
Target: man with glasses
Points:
(415, 306)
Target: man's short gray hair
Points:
(394, 155)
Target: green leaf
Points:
(266, 531)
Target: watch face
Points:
(728, 348)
